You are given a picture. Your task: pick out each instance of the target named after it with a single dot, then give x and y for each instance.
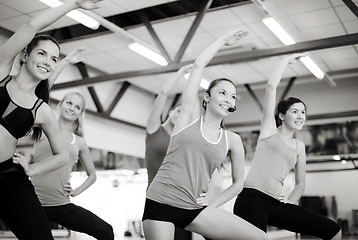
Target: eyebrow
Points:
(226, 91)
(43, 50)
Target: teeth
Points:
(44, 69)
(224, 106)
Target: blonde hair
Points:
(78, 123)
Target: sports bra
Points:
(15, 119)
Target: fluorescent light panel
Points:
(203, 83)
(286, 39)
(75, 15)
(279, 32)
(148, 53)
(312, 66)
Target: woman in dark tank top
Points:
(22, 112)
(276, 154)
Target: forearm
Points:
(226, 195)
(59, 68)
(276, 76)
(296, 193)
(86, 184)
(209, 53)
(49, 16)
(53, 163)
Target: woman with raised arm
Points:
(278, 152)
(22, 107)
(158, 132)
(198, 145)
(54, 189)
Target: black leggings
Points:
(20, 208)
(261, 210)
(79, 219)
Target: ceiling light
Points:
(75, 15)
(203, 83)
(312, 66)
(279, 32)
(148, 53)
(286, 39)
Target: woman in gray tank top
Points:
(198, 145)
(277, 152)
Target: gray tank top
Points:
(272, 161)
(187, 167)
(49, 186)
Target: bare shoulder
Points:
(301, 147)
(233, 138)
(300, 144)
(44, 113)
(81, 142)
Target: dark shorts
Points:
(162, 212)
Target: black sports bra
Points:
(15, 119)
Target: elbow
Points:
(300, 188)
(238, 186)
(30, 26)
(198, 65)
(270, 86)
(64, 159)
(303, 188)
(164, 92)
(94, 178)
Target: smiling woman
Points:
(198, 145)
(278, 152)
(54, 189)
(24, 110)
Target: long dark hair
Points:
(283, 106)
(42, 90)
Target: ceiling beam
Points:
(104, 116)
(352, 6)
(309, 118)
(84, 73)
(288, 87)
(120, 93)
(332, 42)
(155, 37)
(253, 95)
(203, 9)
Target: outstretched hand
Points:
(88, 4)
(74, 56)
(234, 36)
(293, 58)
(186, 69)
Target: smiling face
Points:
(295, 116)
(221, 97)
(72, 107)
(42, 59)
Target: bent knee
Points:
(106, 232)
